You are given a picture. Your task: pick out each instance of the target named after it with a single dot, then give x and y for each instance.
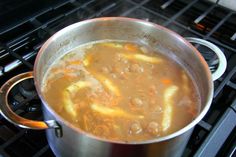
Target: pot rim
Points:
(159, 139)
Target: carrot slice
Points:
(166, 81)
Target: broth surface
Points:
(121, 91)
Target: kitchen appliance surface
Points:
(23, 33)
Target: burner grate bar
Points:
(232, 85)
(202, 16)
(18, 42)
(218, 25)
(13, 139)
(221, 44)
(102, 10)
(63, 3)
(205, 125)
(233, 106)
(153, 12)
(135, 7)
(3, 153)
(64, 15)
(174, 22)
(28, 19)
(78, 7)
(225, 81)
(16, 63)
(20, 38)
(218, 135)
(12, 53)
(42, 26)
(189, 29)
(41, 151)
(179, 13)
(233, 36)
(23, 60)
(166, 4)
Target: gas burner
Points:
(27, 89)
(24, 99)
(210, 57)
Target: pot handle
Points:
(12, 117)
(222, 60)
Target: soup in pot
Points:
(121, 91)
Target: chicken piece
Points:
(141, 57)
(167, 110)
(113, 112)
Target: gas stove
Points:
(26, 25)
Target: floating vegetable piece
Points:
(75, 62)
(77, 86)
(72, 89)
(87, 60)
(108, 84)
(130, 47)
(185, 82)
(141, 57)
(114, 45)
(168, 108)
(113, 112)
(69, 106)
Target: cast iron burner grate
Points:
(26, 25)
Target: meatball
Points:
(135, 128)
(136, 68)
(137, 102)
(153, 128)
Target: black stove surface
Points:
(26, 25)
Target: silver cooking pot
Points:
(67, 140)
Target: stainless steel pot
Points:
(67, 140)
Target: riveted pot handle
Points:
(221, 57)
(12, 117)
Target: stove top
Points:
(25, 26)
